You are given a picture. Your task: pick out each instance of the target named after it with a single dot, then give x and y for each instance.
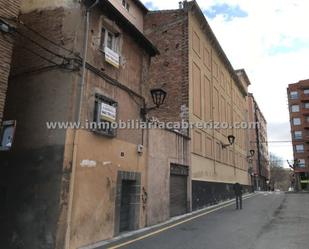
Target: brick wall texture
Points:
(9, 9)
(168, 30)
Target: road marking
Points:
(174, 225)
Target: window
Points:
(295, 108)
(105, 113)
(299, 148)
(294, 95)
(298, 134)
(110, 47)
(306, 105)
(306, 91)
(301, 163)
(296, 121)
(109, 40)
(126, 5)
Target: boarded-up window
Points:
(218, 151)
(197, 91)
(207, 99)
(216, 105)
(209, 146)
(196, 44)
(207, 58)
(197, 142)
(215, 69)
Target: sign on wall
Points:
(7, 134)
(108, 112)
(111, 57)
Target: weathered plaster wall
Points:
(35, 177)
(165, 147)
(35, 5)
(33, 171)
(93, 214)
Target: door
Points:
(127, 192)
(178, 189)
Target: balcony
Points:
(304, 97)
(305, 111)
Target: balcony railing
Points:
(304, 97)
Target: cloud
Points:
(150, 5)
(271, 42)
(228, 12)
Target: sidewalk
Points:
(164, 225)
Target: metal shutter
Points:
(178, 190)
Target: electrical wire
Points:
(37, 54)
(44, 37)
(41, 46)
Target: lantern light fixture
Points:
(231, 140)
(158, 96)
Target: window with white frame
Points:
(109, 40)
(306, 91)
(298, 134)
(295, 108)
(306, 105)
(301, 163)
(299, 148)
(296, 121)
(294, 95)
(110, 46)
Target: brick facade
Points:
(168, 30)
(9, 9)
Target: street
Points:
(274, 220)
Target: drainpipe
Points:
(75, 141)
(84, 61)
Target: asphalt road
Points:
(268, 220)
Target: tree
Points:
(279, 176)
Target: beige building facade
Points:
(202, 82)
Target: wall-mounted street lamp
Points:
(231, 139)
(251, 153)
(158, 97)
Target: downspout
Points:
(75, 140)
(84, 60)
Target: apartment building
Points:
(9, 10)
(86, 62)
(298, 99)
(259, 143)
(195, 71)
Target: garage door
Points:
(178, 189)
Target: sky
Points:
(270, 40)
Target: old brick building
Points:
(71, 187)
(298, 99)
(259, 143)
(201, 82)
(9, 10)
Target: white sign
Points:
(111, 57)
(108, 112)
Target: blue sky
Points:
(228, 11)
(270, 40)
